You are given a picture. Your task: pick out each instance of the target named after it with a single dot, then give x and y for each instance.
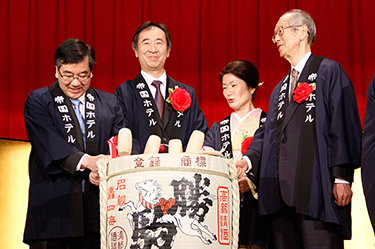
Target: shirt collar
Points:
(301, 64)
(83, 99)
(149, 78)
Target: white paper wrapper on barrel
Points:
(169, 201)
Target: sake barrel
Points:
(168, 201)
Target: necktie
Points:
(293, 82)
(159, 98)
(76, 103)
(81, 121)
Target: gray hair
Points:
(300, 17)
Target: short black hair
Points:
(72, 51)
(149, 25)
(245, 70)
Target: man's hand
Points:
(243, 185)
(241, 166)
(94, 178)
(343, 193)
(89, 162)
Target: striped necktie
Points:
(293, 82)
(159, 98)
(81, 121)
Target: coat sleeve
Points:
(119, 121)
(194, 118)
(212, 137)
(368, 153)
(127, 99)
(254, 153)
(46, 137)
(255, 150)
(123, 93)
(109, 118)
(345, 129)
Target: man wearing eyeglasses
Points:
(68, 125)
(306, 152)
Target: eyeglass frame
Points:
(76, 77)
(280, 32)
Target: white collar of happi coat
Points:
(149, 79)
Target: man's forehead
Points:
(283, 21)
(71, 69)
(152, 33)
(81, 67)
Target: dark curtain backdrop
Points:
(206, 35)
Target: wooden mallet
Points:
(152, 145)
(195, 143)
(125, 142)
(174, 146)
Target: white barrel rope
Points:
(103, 195)
(235, 203)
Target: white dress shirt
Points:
(149, 79)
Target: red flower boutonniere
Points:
(179, 98)
(245, 144)
(303, 91)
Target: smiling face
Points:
(152, 51)
(75, 88)
(237, 93)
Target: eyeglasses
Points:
(280, 32)
(70, 78)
